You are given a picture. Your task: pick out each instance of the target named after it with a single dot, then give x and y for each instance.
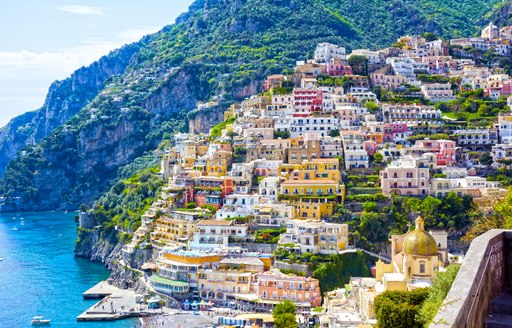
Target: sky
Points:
(44, 41)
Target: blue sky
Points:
(44, 41)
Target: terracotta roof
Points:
(214, 223)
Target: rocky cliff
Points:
(104, 247)
(65, 99)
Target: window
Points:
(422, 267)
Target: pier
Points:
(115, 304)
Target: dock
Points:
(100, 290)
(115, 304)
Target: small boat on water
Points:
(1, 258)
(15, 228)
(40, 320)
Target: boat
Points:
(40, 320)
(15, 228)
(1, 258)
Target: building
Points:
(269, 188)
(411, 114)
(338, 67)
(416, 256)
(505, 129)
(436, 92)
(176, 229)
(177, 271)
(477, 139)
(315, 236)
(444, 150)
(406, 176)
(325, 52)
(216, 234)
(275, 286)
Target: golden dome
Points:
(419, 242)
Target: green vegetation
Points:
(126, 201)
(284, 315)
(216, 131)
(399, 309)
(493, 213)
(416, 308)
(473, 107)
(269, 236)
(437, 293)
(333, 271)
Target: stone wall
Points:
(259, 248)
(482, 276)
(293, 266)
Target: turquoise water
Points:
(39, 274)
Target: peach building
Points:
(405, 176)
(276, 286)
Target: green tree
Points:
(285, 315)
(378, 157)
(400, 309)
(359, 64)
(441, 286)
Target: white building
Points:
(319, 124)
(237, 205)
(326, 51)
(372, 56)
(213, 234)
(315, 236)
(269, 188)
(437, 92)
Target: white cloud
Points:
(82, 10)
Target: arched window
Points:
(422, 267)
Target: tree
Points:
(441, 286)
(334, 133)
(486, 159)
(399, 309)
(378, 157)
(359, 64)
(285, 315)
(429, 36)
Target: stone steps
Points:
(500, 311)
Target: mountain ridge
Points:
(219, 48)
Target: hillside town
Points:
(251, 207)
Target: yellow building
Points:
(217, 284)
(217, 165)
(176, 230)
(314, 209)
(188, 162)
(230, 113)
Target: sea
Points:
(39, 274)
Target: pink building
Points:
(337, 68)
(276, 286)
(306, 101)
(443, 149)
(395, 132)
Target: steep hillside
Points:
(106, 115)
(500, 15)
(65, 99)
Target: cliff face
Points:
(105, 248)
(65, 99)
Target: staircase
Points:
(500, 311)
